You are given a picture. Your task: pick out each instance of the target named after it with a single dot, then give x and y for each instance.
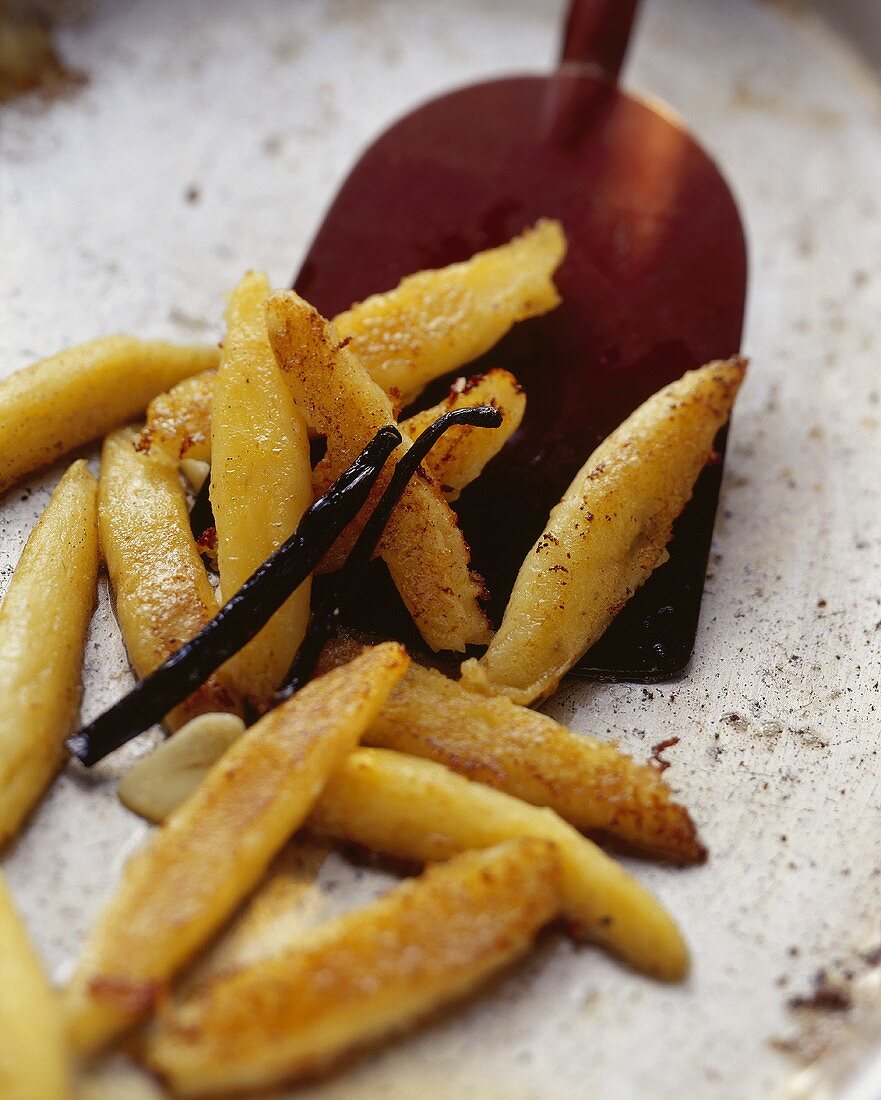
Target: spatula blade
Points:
(653, 284)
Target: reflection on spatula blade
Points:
(653, 285)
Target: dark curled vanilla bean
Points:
(244, 615)
(324, 621)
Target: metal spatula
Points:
(654, 284)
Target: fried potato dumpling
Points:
(261, 483)
(422, 544)
(178, 421)
(606, 536)
(436, 321)
(213, 850)
(590, 783)
(162, 593)
(76, 396)
(420, 810)
(44, 619)
(366, 974)
(33, 1061)
(460, 455)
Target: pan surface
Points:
(202, 146)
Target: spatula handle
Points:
(597, 33)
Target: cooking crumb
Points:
(659, 762)
(825, 996)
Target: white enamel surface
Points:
(262, 107)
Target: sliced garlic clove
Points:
(117, 1080)
(158, 783)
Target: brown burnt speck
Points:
(126, 995)
(656, 759)
(144, 441)
(546, 540)
(825, 996)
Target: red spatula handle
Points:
(597, 33)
